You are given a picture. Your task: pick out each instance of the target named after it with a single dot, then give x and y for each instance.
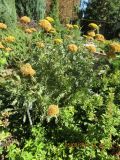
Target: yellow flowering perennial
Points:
(93, 26)
(27, 70)
(75, 26)
(114, 47)
(1, 46)
(53, 30)
(69, 26)
(50, 19)
(88, 37)
(3, 26)
(91, 48)
(40, 45)
(10, 39)
(28, 30)
(25, 19)
(8, 49)
(33, 29)
(58, 41)
(72, 48)
(53, 110)
(45, 24)
(91, 33)
(100, 37)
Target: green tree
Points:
(8, 12)
(55, 10)
(34, 9)
(108, 10)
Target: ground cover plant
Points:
(59, 92)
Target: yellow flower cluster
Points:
(10, 39)
(114, 47)
(88, 37)
(91, 48)
(53, 110)
(50, 19)
(100, 37)
(53, 30)
(25, 19)
(69, 26)
(40, 45)
(8, 49)
(3, 26)
(30, 30)
(27, 70)
(58, 41)
(1, 46)
(72, 48)
(93, 26)
(75, 26)
(46, 25)
(91, 33)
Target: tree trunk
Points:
(8, 12)
(35, 9)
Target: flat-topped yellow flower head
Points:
(28, 30)
(1, 46)
(91, 48)
(53, 110)
(69, 26)
(93, 26)
(100, 37)
(40, 44)
(27, 70)
(114, 47)
(3, 26)
(58, 41)
(25, 19)
(75, 26)
(91, 33)
(72, 48)
(46, 25)
(50, 19)
(33, 29)
(10, 39)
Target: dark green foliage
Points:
(8, 12)
(108, 10)
(34, 9)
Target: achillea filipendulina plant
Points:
(114, 47)
(27, 70)
(53, 30)
(58, 41)
(8, 49)
(33, 29)
(69, 26)
(93, 26)
(1, 46)
(50, 19)
(88, 37)
(91, 33)
(3, 26)
(28, 30)
(53, 110)
(72, 48)
(75, 26)
(46, 25)
(25, 19)
(40, 44)
(10, 39)
(91, 48)
(100, 37)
